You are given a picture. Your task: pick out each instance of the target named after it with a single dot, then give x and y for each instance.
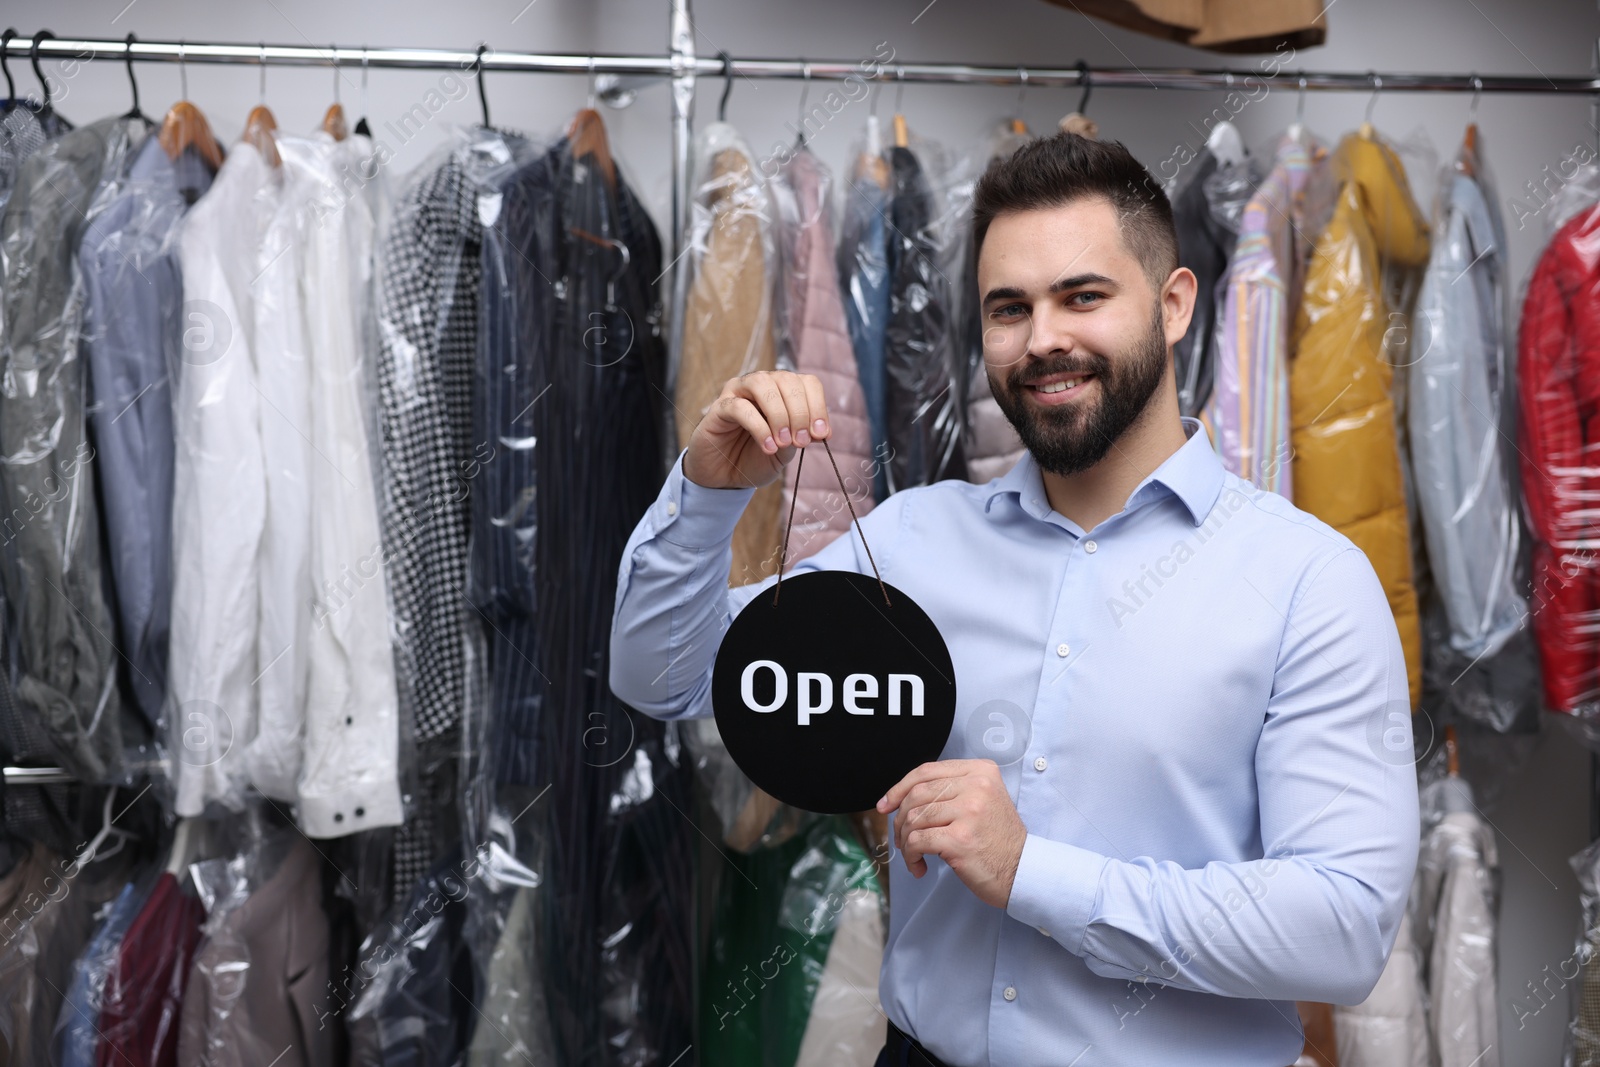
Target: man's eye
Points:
(1009, 311)
(1085, 299)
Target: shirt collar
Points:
(1193, 474)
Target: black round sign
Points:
(832, 696)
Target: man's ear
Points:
(1177, 303)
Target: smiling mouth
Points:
(1059, 390)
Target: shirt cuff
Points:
(1056, 889)
(691, 516)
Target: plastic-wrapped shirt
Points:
(219, 506)
(68, 666)
(1456, 382)
(344, 738)
(133, 334)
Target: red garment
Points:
(144, 997)
(1558, 374)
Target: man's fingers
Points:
(933, 841)
(921, 817)
(926, 772)
(796, 399)
(750, 418)
(817, 405)
(761, 389)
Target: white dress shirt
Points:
(219, 488)
(349, 780)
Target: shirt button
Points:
(1043, 931)
(1062, 650)
(1011, 992)
(1089, 547)
(1040, 764)
(672, 507)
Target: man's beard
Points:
(1075, 436)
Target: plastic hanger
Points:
(259, 126)
(91, 848)
(333, 122)
(361, 124)
(586, 137)
(179, 857)
(133, 86)
(185, 127)
(483, 95)
(5, 68)
(46, 108)
(727, 85)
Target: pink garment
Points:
(819, 343)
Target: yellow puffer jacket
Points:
(1342, 411)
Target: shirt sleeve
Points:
(1316, 916)
(673, 602)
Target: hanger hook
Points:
(133, 84)
(183, 75)
(727, 85)
(333, 50)
(1022, 88)
(805, 94)
(900, 85)
(1300, 105)
(263, 73)
(591, 83)
(363, 81)
(483, 95)
(1477, 89)
(33, 57)
(5, 65)
(1377, 84)
(1088, 86)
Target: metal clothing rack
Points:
(681, 65)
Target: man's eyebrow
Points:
(1004, 293)
(1061, 285)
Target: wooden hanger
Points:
(260, 126)
(259, 131)
(1451, 754)
(1469, 143)
(185, 127)
(587, 139)
(901, 139)
(333, 122)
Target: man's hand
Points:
(752, 429)
(959, 810)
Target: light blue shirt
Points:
(1217, 781)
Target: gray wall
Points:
(1541, 812)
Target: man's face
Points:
(1075, 338)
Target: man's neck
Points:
(1090, 497)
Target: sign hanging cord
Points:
(783, 554)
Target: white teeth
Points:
(1057, 387)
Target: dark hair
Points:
(1052, 171)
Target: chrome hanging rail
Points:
(686, 62)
